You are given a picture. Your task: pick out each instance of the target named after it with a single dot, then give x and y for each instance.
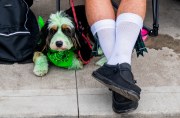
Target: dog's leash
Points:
(74, 13)
(76, 22)
(78, 28)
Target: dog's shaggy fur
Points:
(60, 34)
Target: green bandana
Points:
(61, 59)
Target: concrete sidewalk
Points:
(69, 93)
(64, 93)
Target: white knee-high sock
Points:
(128, 26)
(106, 31)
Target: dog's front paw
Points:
(40, 71)
(41, 65)
(102, 61)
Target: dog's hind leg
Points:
(40, 64)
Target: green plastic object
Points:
(41, 22)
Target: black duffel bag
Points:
(18, 30)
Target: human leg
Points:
(117, 73)
(122, 25)
(100, 15)
(129, 22)
(97, 10)
(133, 6)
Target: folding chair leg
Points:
(58, 5)
(155, 17)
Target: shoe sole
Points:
(124, 111)
(123, 91)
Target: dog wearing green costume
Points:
(61, 44)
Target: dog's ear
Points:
(41, 44)
(71, 33)
(50, 34)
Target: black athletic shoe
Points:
(120, 104)
(118, 78)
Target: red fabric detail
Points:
(74, 13)
(80, 57)
(85, 38)
(83, 35)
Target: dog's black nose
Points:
(59, 43)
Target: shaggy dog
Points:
(62, 44)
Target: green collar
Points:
(61, 59)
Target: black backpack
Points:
(18, 30)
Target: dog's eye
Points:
(53, 30)
(67, 30)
